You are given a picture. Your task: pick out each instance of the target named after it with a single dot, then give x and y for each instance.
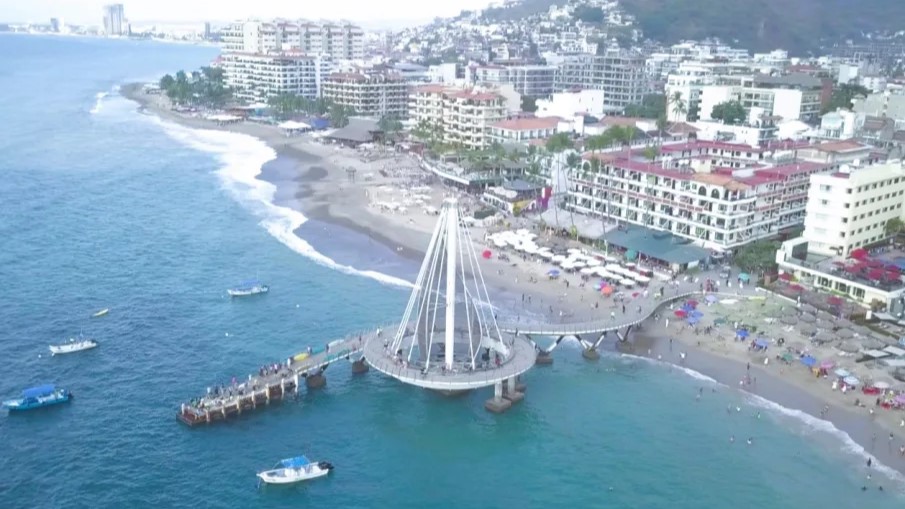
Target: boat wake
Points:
(810, 423)
(243, 157)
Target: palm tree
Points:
(679, 107)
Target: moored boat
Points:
(37, 397)
(295, 469)
(253, 287)
(101, 313)
(73, 346)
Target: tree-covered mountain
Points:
(799, 26)
(796, 25)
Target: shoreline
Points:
(309, 179)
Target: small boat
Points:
(296, 469)
(37, 397)
(253, 287)
(73, 346)
(101, 313)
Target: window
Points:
(826, 188)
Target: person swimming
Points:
(750, 441)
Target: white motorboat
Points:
(296, 469)
(73, 346)
(248, 288)
(101, 313)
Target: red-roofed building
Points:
(523, 129)
(464, 115)
(721, 195)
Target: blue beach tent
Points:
(809, 360)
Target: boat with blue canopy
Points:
(296, 469)
(252, 287)
(38, 397)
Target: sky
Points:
(365, 12)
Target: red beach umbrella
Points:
(680, 313)
(797, 288)
(606, 290)
(859, 254)
(693, 303)
(486, 254)
(875, 274)
(834, 300)
(785, 276)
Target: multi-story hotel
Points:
(463, 115)
(338, 41)
(619, 73)
(372, 94)
(527, 80)
(848, 211)
(720, 195)
(792, 97)
(255, 77)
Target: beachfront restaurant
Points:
(514, 196)
(357, 132)
(656, 247)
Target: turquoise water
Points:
(104, 207)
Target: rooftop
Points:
(527, 124)
(841, 146)
(656, 244)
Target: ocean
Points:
(105, 207)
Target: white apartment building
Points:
(619, 73)
(464, 116)
(791, 97)
(372, 94)
(256, 77)
(527, 80)
(339, 41)
(849, 209)
(719, 195)
(571, 103)
(885, 104)
(523, 130)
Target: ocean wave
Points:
(809, 421)
(243, 157)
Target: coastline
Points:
(310, 179)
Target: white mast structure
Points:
(462, 343)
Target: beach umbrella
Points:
(693, 303)
(872, 344)
(850, 380)
(807, 328)
(808, 360)
(711, 298)
(823, 337)
(859, 254)
(785, 276)
(881, 385)
(850, 347)
(742, 333)
(743, 276)
(841, 373)
(790, 312)
(486, 254)
(844, 333)
(807, 318)
(696, 314)
(789, 320)
(761, 342)
(553, 272)
(796, 288)
(681, 313)
(692, 320)
(833, 300)
(862, 331)
(607, 290)
(827, 364)
(842, 322)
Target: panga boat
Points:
(101, 313)
(37, 397)
(253, 287)
(294, 470)
(73, 346)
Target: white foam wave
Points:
(848, 444)
(243, 157)
(98, 101)
(813, 423)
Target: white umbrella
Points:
(545, 254)
(558, 258)
(627, 282)
(593, 262)
(578, 264)
(881, 385)
(587, 270)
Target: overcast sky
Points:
(367, 12)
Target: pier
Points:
(276, 383)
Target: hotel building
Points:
(463, 115)
(619, 73)
(256, 77)
(338, 41)
(848, 211)
(719, 195)
(527, 80)
(373, 94)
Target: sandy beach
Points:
(313, 178)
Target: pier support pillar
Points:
(510, 393)
(360, 367)
(519, 385)
(315, 381)
(497, 404)
(543, 358)
(590, 354)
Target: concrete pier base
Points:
(543, 359)
(360, 366)
(315, 381)
(514, 397)
(590, 354)
(521, 387)
(497, 406)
